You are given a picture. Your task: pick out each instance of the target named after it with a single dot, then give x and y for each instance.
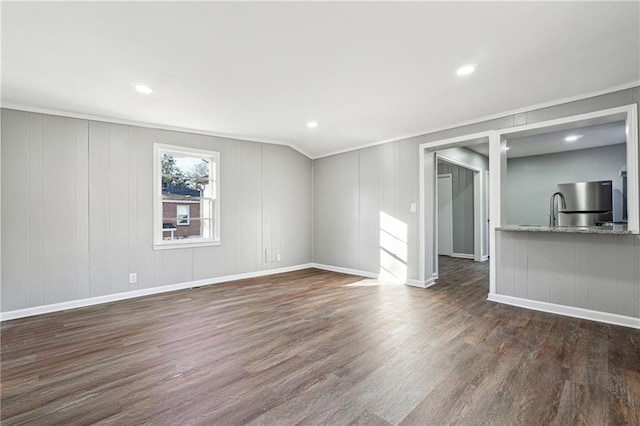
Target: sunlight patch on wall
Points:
(393, 249)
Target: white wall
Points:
(77, 209)
(462, 226)
(68, 231)
(351, 188)
(350, 192)
(532, 180)
(592, 271)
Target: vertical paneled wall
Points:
(77, 210)
(77, 206)
(480, 162)
(336, 207)
(462, 206)
(351, 188)
(45, 241)
(351, 191)
(591, 271)
(286, 199)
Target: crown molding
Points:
(91, 117)
(529, 108)
(30, 108)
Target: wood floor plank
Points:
(318, 347)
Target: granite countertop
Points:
(614, 229)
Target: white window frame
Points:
(188, 218)
(158, 242)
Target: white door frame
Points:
(428, 264)
(450, 177)
(485, 225)
(498, 169)
(478, 228)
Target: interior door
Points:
(445, 215)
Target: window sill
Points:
(186, 244)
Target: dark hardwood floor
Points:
(315, 347)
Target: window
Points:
(182, 214)
(186, 197)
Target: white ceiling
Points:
(552, 142)
(549, 143)
(366, 72)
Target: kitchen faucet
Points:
(552, 214)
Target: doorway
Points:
(445, 215)
(459, 199)
(469, 236)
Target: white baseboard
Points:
(342, 270)
(484, 258)
(431, 281)
(570, 311)
(80, 303)
(462, 255)
(367, 274)
(417, 283)
(423, 284)
(27, 312)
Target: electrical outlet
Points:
(133, 278)
(278, 257)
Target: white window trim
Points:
(158, 242)
(182, 201)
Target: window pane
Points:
(183, 221)
(197, 228)
(188, 190)
(184, 175)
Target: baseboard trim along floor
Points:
(570, 311)
(80, 303)
(72, 304)
(342, 270)
(409, 281)
(319, 347)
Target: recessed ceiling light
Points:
(572, 138)
(466, 69)
(142, 88)
(312, 124)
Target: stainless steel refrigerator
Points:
(587, 203)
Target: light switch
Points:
(413, 207)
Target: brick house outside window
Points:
(175, 199)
